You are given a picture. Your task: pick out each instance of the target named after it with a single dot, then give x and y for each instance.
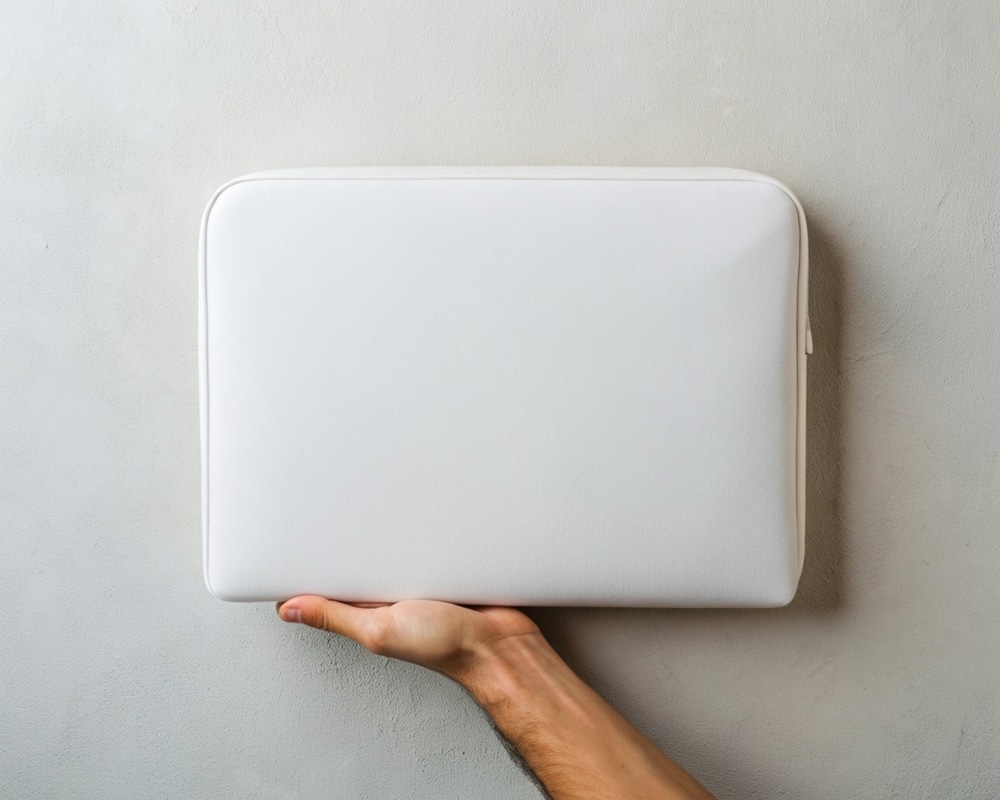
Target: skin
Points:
(579, 746)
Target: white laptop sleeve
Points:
(556, 386)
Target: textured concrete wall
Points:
(121, 678)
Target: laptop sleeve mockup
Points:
(524, 386)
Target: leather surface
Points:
(519, 391)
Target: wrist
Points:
(499, 672)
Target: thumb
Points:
(328, 615)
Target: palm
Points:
(434, 634)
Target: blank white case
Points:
(538, 386)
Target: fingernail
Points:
(291, 614)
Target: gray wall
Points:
(122, 678)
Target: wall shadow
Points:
(822, 583)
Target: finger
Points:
(328, 615)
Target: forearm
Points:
(577, 744)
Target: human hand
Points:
(450, 639)
(577, 745)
